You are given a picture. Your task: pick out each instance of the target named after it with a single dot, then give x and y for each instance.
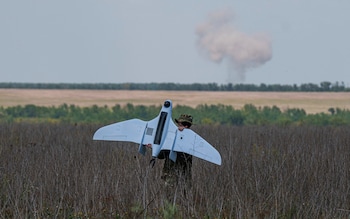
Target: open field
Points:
(58, 171)
(311, 102)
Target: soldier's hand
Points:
(149, 145)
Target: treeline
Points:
(203, 114)
(308, 87)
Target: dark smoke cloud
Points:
(219, 40)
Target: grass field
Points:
(58, 171)
(311, 102)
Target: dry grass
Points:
(57, 171)
(310, 102)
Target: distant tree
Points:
(326, 86)
(331, 110)
(296, 114)
(309, 87)
(338, 87)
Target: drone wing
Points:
(133, 130)
(129, 130)
(189, 142)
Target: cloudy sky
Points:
(116, 41)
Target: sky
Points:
(226, 41)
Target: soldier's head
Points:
(184, 120)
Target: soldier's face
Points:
(182, 126)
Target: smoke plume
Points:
(219, 40)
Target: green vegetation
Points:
(307, 87)
(204, 114)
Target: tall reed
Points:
(58, 171)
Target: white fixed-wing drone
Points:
(162, 133)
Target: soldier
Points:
(177, 173)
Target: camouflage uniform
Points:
(179, 171)
(178, 174)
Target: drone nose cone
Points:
(167, 103)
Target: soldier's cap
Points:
(184, 118)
